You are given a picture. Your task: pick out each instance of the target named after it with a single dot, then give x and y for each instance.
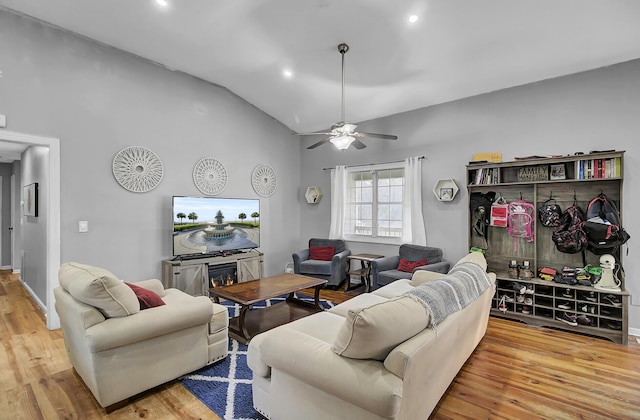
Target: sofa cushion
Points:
(315, 267)
(372, 332)
(408, 266)
(393, 289)
(99, 288)
(322, 253)
(147, 298)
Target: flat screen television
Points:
(214, 225)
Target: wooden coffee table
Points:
(252, 322)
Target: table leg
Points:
(316, 297)
(242, 329)
(367, 278)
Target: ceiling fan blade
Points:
(320, 143)
(378, 136)
(313, 134)
(358, 144)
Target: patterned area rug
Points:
(225, 387)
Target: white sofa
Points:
(120, 350)
(375, 356)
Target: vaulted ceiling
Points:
(455, 48)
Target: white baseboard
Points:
(16, 271)
(634, 331)
(42, 306)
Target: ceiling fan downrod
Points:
(343, 48)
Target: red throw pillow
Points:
(147, 298)
(322, 253)
(408, 266)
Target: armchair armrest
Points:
(298, 257)
(312, 361)
(339, 265)
(385, 263)
(439, 267)
(149, 323)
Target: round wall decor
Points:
(263, 180)
(137, 169)
(210, 176)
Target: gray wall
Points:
(35, 168)
(97, 101)
(594, 110)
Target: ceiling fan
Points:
(343, 134)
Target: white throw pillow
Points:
(423, 276)
(99, 288)
(474, 257)
(372, 332)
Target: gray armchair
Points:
(333, 271)
(385, 270)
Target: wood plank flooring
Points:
(516, 372)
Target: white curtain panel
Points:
(413, 230)
(338, 193)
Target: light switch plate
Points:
(83, 226)
(3, 121)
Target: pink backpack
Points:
(520, 220)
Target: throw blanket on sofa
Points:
(453, 292)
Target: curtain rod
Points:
(370, 164)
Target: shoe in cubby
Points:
(567, 318)
(588, 309)
(583, 319)
(565, 305)
(567, 293)
(612, 300)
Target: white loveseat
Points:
(120, 350)
(376, 356)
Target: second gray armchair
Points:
(409, 259)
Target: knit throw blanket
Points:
(453, 292)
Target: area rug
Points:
(225, 386)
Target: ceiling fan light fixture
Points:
(342, 142)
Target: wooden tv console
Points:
(192, 275)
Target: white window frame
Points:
(373, 238)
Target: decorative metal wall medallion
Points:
(263, 180)
(137, 169)
(210, 176)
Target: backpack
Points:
(520, 220)
(499, 212)
(480, 207)
(570, 236)
(549, 213)
(604, 231)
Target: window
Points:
(374, 203)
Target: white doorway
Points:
(52, 218)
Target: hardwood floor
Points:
(516, 372)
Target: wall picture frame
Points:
(446, 194)
(557, 172)
(30, 198)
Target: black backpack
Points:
(480, 206)
(605, 233)
(570, 236)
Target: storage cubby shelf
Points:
(566, 179)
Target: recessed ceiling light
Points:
(162, 2)
(287, 73)
(413, 18)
